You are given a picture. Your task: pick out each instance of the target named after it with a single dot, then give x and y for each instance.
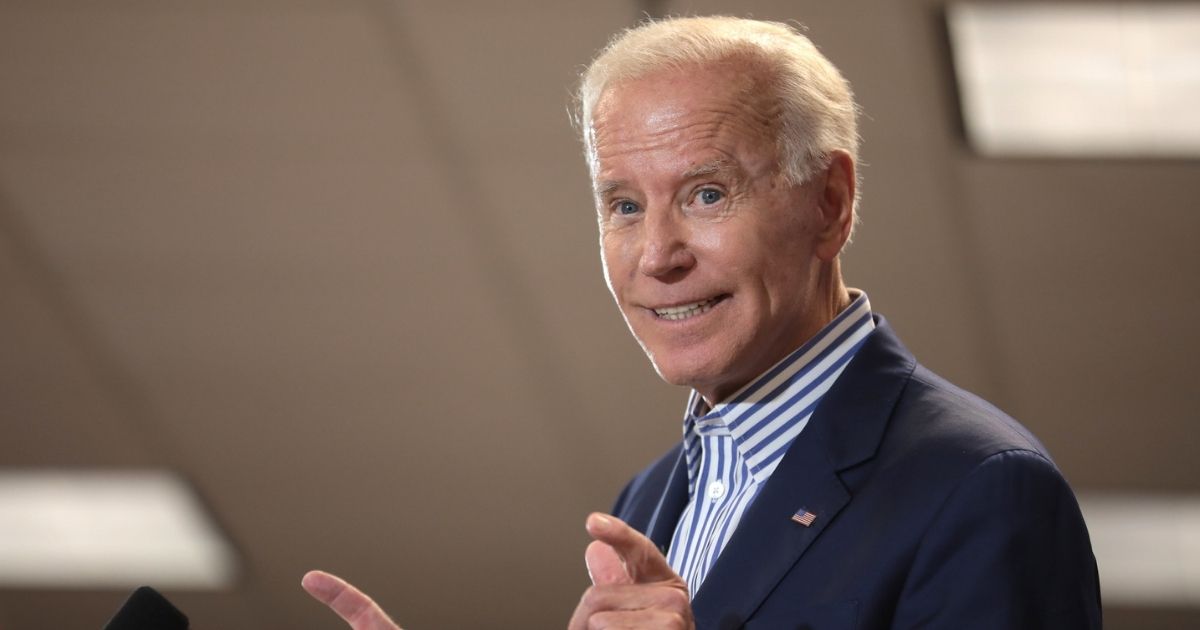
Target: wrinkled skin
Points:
(695, 209)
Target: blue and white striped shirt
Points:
(732, 449)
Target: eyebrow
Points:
(708, 168)
(603, 188)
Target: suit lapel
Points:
(767, 542)
(844, 431)
(661, 526)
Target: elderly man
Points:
(825, 479)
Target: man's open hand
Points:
(632, 584)
(360, 611)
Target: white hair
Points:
(818, 112)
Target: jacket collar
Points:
(845, 431)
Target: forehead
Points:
(725, 108)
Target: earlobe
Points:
(836, 203)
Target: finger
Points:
(351, 604)
(643, 561)
(636, 597)
(657, 619)
(671, 599)
(604, 565)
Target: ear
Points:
(835, 200)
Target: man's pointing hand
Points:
(632, 584)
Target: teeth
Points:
(687, 310)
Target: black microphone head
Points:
(147, 609)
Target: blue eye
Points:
(709, 196)
(627, 207)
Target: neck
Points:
(832, 294)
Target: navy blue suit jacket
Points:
(933, 510)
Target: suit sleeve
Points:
(1007, 550)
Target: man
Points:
(825, 479)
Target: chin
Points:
(687, 371)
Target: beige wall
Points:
(334, 261)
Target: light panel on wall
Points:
(90, 529)
(1083, 80)
(1147, 547)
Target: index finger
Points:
(351, 604)
(643, 560)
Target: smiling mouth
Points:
(687, 311)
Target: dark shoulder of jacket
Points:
(651, 479)
(943, 421)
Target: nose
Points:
(665, 250)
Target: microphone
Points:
(147, 609)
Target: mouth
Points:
(688, 311)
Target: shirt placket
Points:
(713, 496)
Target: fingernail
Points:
(601, 523)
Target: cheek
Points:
(612, 262)
(733, 248)
(723, 242)
(619, 247)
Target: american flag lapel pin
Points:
(804, 517)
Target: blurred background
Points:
(331, 267)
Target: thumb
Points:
(642, 560)
(604, 565)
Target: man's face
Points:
(708, 250)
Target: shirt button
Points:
(716, 490)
